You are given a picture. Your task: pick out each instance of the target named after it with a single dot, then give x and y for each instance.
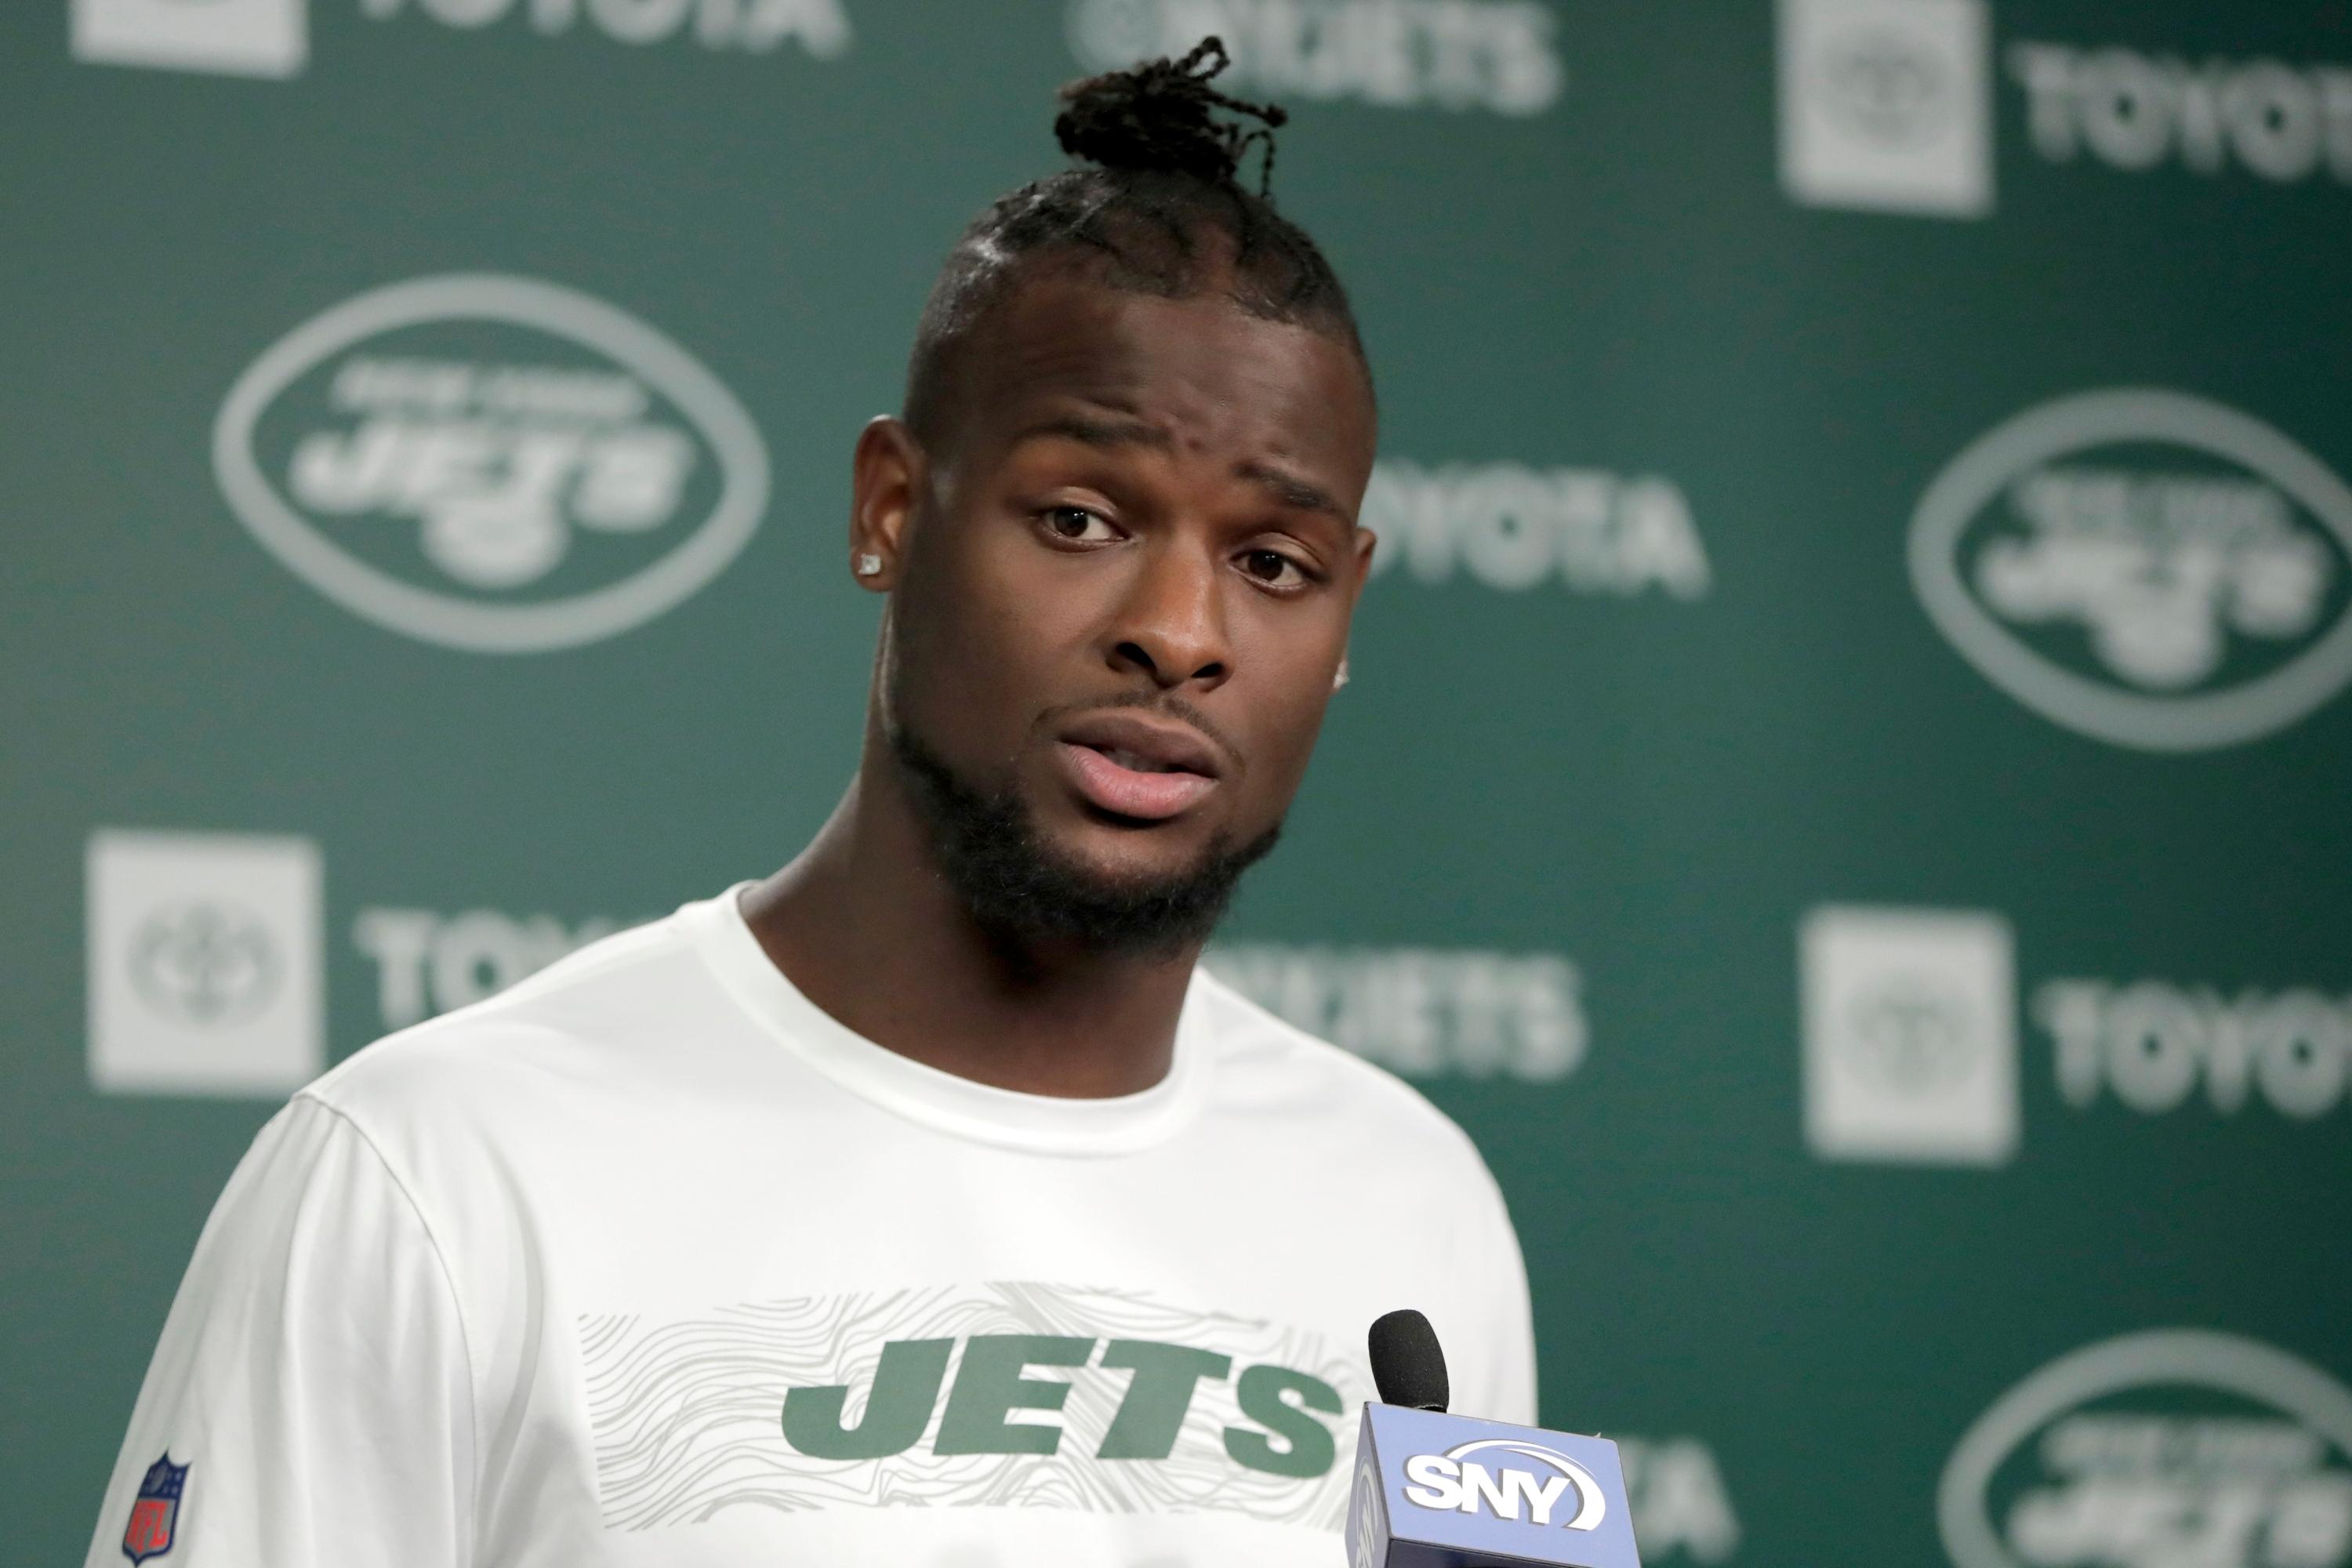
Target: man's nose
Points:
(1171, 623)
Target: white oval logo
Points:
(2143, 568)
(490, 463)
(2155, 1450)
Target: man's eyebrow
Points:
(1111, 434)
(1107, 434)
(1294, 491)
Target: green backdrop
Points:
(1842, 791)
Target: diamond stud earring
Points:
(867, 564)
(1340, 675)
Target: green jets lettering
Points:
(1158, 1395)
(906, 1386)
(988, 1386)
(992, 1383)
(1306, 1442)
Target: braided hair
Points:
(1156, 207)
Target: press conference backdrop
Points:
(1844, 792)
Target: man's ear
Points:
(1365, 541)
(888, 475)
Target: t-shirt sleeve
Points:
(1507, 1319)
(309, 1402)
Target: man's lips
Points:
(1131, 792)
(1134, 766)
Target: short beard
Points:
(1024, 895)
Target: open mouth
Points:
(1136, 762)
(1126, 785)
(1131, 766)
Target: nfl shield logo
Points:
(155, 1515)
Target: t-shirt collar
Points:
(1039, 1124)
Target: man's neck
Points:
(864, 926)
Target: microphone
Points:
(1436, 1490)
(1408, 1366)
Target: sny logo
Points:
(1456, 1482)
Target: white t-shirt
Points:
(651, 1261)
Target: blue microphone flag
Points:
(1434, 1491)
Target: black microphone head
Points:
(1408, 1367)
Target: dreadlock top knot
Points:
(1154, 209)
(1158, 118)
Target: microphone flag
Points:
(1434, 1491)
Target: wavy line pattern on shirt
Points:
(685, 1412)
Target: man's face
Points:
(1125, 596)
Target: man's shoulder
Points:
(588, 1006)
(1266, 1061)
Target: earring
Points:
(1340, 675)
(867, 564)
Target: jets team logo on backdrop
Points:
(491, 463)
(2143, 568)
(1496, 55)
(2157, 1450)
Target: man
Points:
(921, 1204)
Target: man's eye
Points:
(1080, 525)
(1272, 567)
